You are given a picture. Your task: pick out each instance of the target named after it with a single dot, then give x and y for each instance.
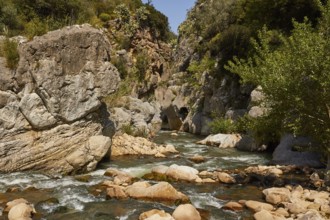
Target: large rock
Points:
(285, 155)
(155, 214)
(186, 212)
(63, 149)
(258, 206)
(51, 115)
(128, 145)
(141, 117)
(221, 140)
(182, 173)
(162, 191)
(277, 195)
(70, 69)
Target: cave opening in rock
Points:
(183, 112)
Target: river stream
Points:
(70, 198)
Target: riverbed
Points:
(71, 197)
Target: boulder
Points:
(67, 148)
(11, 204)
(155, 214)
(221, 140)
(233, 206)
(264, 214)
(284, 154)
(277, 195)
(225, 178)
(161, 191)
(186, 212)
(128, 145)
(264, 170)
(53, 119)
(116, 192)
(142, 117)
(197, 159)
(184, 173)
(258, 206)
(21, 210)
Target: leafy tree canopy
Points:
(295, 77)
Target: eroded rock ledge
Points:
(51, 115)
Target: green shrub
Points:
(222, 125)
(121, 65)
(104, 17)
(128, 129)
(10, 52)
(141, 65)
(35, 27)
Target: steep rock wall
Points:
(51, 115)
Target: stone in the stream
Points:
(266, 215)
(277, 195)
(221, 140)
(155, 214)
(197, 159)
(128, 145)
(186, 212)
(233, 206)
(184, 173)
(21, 211)
(116, 192)
(11, 204)
(258, 206)
(225, 178)
(162, 191)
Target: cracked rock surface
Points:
(51, 114)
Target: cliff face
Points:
(200, 88)
(51, 114)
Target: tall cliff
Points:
(215, 32)
(51, 114)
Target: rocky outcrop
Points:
(128, 145)
(51, 114)
(284, 153)
(142, 118)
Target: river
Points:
(70, 198)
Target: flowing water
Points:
(66, 198)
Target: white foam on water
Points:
(246, 158)
(75, 198)
(203, 200)
(125, 217)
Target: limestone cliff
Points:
(51, 115)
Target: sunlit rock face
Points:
(51, 115)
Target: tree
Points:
(295, 78)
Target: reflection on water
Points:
(75, 202)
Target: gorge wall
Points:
(51, 115)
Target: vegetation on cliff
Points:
(36, 17)
(289, 59)
(294, 78)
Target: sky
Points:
(175, 10)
